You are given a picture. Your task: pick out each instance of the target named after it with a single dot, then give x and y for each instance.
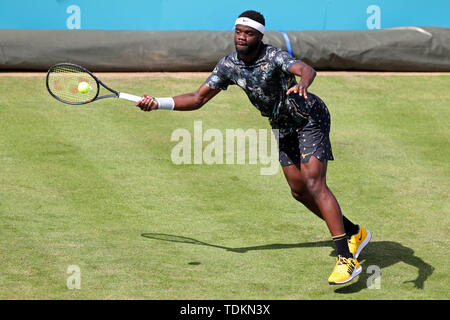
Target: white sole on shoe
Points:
(363, 244)
(355, 273)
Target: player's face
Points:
(246, 39)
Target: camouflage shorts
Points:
(311, 140)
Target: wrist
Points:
(165, 103)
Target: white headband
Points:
(250, 23)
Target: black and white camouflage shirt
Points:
(265, 81)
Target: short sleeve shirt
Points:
(265, 81)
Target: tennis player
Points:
(268, 76)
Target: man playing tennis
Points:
(267, 75)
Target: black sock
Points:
(350, 228)
(342, 246)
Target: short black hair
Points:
(254, 15)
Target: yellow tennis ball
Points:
(83, 87)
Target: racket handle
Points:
(129, 97)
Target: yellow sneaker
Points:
(358, 241)
(345, 270)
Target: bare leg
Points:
(308, 185)
(298, 188)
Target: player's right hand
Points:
(147, 103)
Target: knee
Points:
(316, 187)
(298, 194)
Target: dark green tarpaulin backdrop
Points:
(397, 49)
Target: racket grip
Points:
(129, 97)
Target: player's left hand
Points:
(147, 103)
(301, 90)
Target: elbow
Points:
(313, 73)
(198, 105)
(199, 101)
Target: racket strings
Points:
(64, 81)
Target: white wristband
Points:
(165, 103)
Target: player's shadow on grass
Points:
(383, 254)
(380, 254)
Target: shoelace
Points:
(350, 264)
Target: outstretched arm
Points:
(307, 75)
(184, 102)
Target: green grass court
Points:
(94, 186)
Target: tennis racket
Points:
(63, 83)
